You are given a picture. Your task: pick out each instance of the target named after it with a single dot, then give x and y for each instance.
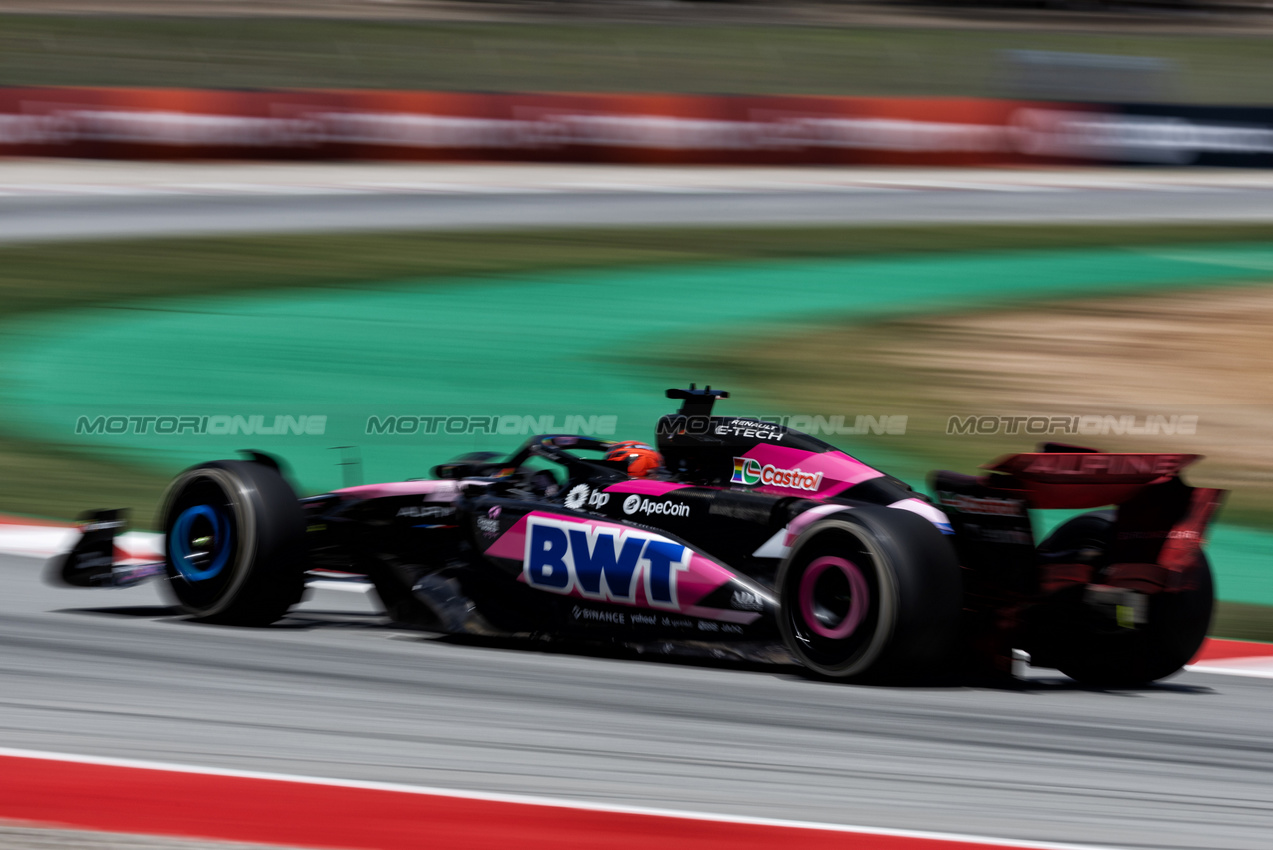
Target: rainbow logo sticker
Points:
(746, 471)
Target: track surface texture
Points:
(47, 200)
(23, 220)
(1184, 764)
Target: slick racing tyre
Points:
(870, 590)
(234, 537)
(1094, 650)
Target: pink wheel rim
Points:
(859, 597)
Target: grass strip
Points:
(264, 52)
(66, 275)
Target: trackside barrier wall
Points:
(620, 128)
(440, 126)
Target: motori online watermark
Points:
(314, 425)
(1087, 425)
(508, 425)
(454, 424)
(774, 427)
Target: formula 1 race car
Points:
(752, 535)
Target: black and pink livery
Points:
(755, 535)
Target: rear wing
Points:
(1159, 521)
(1082, 478)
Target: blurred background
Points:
(369, 236)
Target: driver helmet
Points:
(641, 458)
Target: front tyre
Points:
(234, 539)
(871, 590)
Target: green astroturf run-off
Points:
(588, 344)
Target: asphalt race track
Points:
(1188, 763)
(25, 218)
(336, 692)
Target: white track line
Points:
(35, 540)
(1255, 668)
(45, 541)
(556, 802)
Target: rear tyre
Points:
(1091, 650)
(234, 535)
(871, 591)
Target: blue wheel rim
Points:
(186, 558)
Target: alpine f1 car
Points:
(751, 534)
